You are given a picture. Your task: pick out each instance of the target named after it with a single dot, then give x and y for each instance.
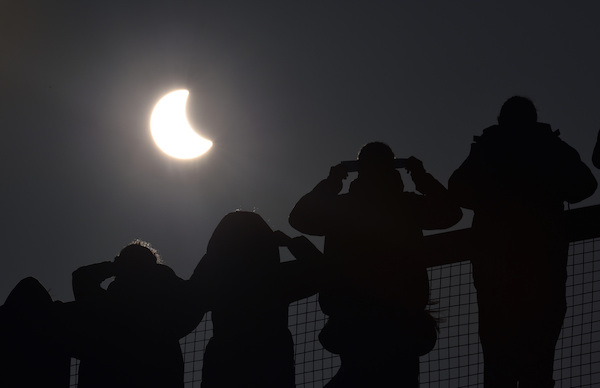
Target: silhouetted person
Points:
(33, 347)
(377, 287)
(134, 326)
(516, 178)
(250, 291)
(596, 154)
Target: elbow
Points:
(77, 284)
(462, 198)
(304, 226)
(596, 159)
(76, 278)
(295, 221)
(584, 193)
(452, 218)
(300, 222)
(463, 191)
(456, 216)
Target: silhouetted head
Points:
(375, 157)
(517, 111)
(28, 296)
(244, 240)
(136, 257)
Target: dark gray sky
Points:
(284, 89)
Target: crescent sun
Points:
(171, 130)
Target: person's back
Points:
(248, 290)
(516, 179)
(34, 349)
(132, 329)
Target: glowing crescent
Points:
(171, 131)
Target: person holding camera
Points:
(516, 179)
(129, 332)
(376, 289)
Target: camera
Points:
(352, 165)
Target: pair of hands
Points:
(413, 166)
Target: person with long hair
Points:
(242, 282)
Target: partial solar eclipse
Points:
(171, 130)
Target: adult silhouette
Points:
(130, 331)
(242, 281)
(596, 154)
(34, 346)
(516, 178)
(376, 289)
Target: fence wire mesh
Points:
(456, 360)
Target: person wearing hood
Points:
(516, 179)
(34, 338)
(248, 290)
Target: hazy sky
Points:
(284, 89)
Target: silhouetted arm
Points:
(302, 277)
(576, 179)
(204, 283)
(465, 183)
(87, 281)
(560, 170)
(438, 209)
(596, 154)
(175, 315)
(312, 212)
(194, 307)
